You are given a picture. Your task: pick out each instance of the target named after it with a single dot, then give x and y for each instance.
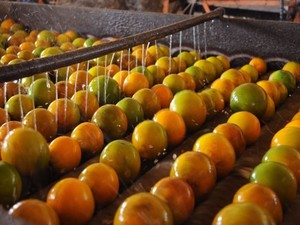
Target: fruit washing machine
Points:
(212, 34)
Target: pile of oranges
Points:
(124, 108)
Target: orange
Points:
(174, 82)
(14, 49)
(216, 97)
(225, 87)
(164, 94)
(5, 59)
(282, 90)
(261, 195)
(234, 75)
(150, 208)
(246, 213)
(65, 154)
(133, 82)
(89, 137)
(234, 134)
(287, 136)
(296, 116)
(112, 69)
(181, 64)
(112, 120)
(190, 83)
(198, 170)
(87, 103)
(225, 61)
(270, 110)
(97, 71)
(286, 78)
(173, 124)
(72, 200)
(157, 72)
(156, 51)
(259, 64)
(294, 68)
(191, 107)
(64, 89)
(120, 77)
(67, 114)
(80, 79)
(143, 57)
(18, 105)
(168, 64)
(219, 149)
(208, 68)
(8, 126)
(150, 139)
(217, 63)
(187, 57)
(4, 116)
(271, 89)
(249, 124)
(7, 23)
(124, 158)
(209, 104)
(250, 70)
(43, 121)
(149, 101)
(103, 181)
(34, 211)
(246, 75)
(198, 75)
(178, 195)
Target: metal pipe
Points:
(35, 66)
(281, 9)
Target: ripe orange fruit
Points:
(65, 154)
(168, 64)
(198, 75)
(43, 121)
(133, 82)
(173, 124)
(72, 200)
(219, 149)
(270, 110)
(178, 195)
(34, 211)
(294, 68)
(164, 94)
(234, 75)
(234, 134)
(293, 123)
(217, 63)
(18, 105)
(286, 78)
(8, 126)
(89, 137)
(64, 89)
(185, 167)
(124, 158)
(191, 107)
(120, 77)
(80, 79)
(216, 97)
(67, 114)
(150, 139)
(103, 181)
(246, 213)
(282, 90)
(225, 61)
(287, 136)
(259, 64)
(112, 120)
(157, 73)
(261, 195)
(209, 104)
(296, 116)
(4, 116)
(149, 101)
(174, 82)
(249, 124)
(271, 89)
(250, 70)
(208, 68)
(151, 208)
(225, 87)
(190, 83)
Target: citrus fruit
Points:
(150, 139)
(208, 68)
(173, 124)
(287, 136)
(267, 173)
(80, 79)
(191, 107)
(10, 184)
(72, 200)
(89, 137)
(174, 82)
(18, 105)
(249, 124)
(249, 97)
(103, 181)
(261, 195)
(34, 211)
(178, 195)
(187, 57)
(216, 97)
(124, 158)
(250, 70)
(219, 149)
(198, 75)
(217, 63)
(189, 80)
(112, 120)
(246, 213)
(259, 64)
(286, 78)
(143, 70)
(27, 150)
(157, 73)
(168, 64)
(234, 75)
(209, 104)
(185, 167)
(282, 90)
(150, 208)
(225, 61)
(294, 68)
(271, 89)
(164, 94)
(133, 82)
(225, 87)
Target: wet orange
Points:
(225, 61)
(18, 105)
(217, 63)
(7, 23)
(219, 149)
(185, 167)
(4, 116)
(34, 211)
(208, 68)
(178, 195)
(225, 87)
(173, 124)
(8, 126)
(174, 82)
(149, 101)
(64, 89)
(168, 64)
(271, 89)
(72, 200)
(198, 75)
(65, 154)
(133, 82)
(282, 90)
(209, 104)
(103, 181)
(259, 64)
(249, 124)
(43, 121)
(158, 73)
(89, 137)
(190, 83)
(150, 139)
(234, 75)
(80, 79)
(250, 70)
(164, 94)
(181, 64)
(287, 136)
(234, 134)
(112, 69)
(216, 97)
(120, 77)
(261, 195)
(296, 116)
(270, 110)
(294, 68)
(150, 208)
